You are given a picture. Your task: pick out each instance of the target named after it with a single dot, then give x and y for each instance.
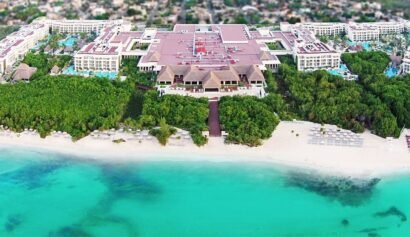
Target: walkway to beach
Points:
(213, 118)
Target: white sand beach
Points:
(374, 157)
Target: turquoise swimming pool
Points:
(70, 41)
(71, 71)
(391, 71)
(340, 71)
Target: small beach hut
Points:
(55, 70)
(24, 72)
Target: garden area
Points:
(275, 46)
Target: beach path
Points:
(213, 119)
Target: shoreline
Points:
(376, 157)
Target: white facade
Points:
(324, 28)
(15, 46)
(405, 66)
(317, 61)
(86, 26)
(387, 28)
(97, 62)
(361, 32)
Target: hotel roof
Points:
(16, 38)
(210, 75)
(206, 45)
(302, 41)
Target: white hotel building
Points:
(312, 54)
(318, 28)
(308, 52)
(355, 31)
(15, 46)
(363, 32)
(86, 26)
(99, 55)
(405, 66)
(389, 28)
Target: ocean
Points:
(44, 194)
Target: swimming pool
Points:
(391, 71)
(101, 74)
(340, 71)
(70, 41)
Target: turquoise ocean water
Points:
(47, 195)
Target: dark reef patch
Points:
(33, 174)
(345, 222)
(124, 182)
(12, 222)
(373, 234)
(372, 230)
(392, 211)
(70, 231)
(352, 192)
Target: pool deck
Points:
(70, 71)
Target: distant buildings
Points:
(86, 26)
(318, 28)
(370, 31)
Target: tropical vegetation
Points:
(63, 103)
(246, 119)
(45, 62)
(183, 112)
(163, 132)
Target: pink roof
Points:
(177, 48)
(233, 33)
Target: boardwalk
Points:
(213, 119)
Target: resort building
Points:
(405, 66)
(207, 46)
(317, 28)
(208, 57)
(360, 31)
(308, 52)
(99, 55)
(200, 58)
(15, 46)
(86, 26)
(388, 28)
(211, 79)
(363, 32)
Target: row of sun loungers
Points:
(131, 135)
(408, 141)
(335, 137)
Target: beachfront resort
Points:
(190, 59)
(216, 60)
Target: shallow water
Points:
(44, 194)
